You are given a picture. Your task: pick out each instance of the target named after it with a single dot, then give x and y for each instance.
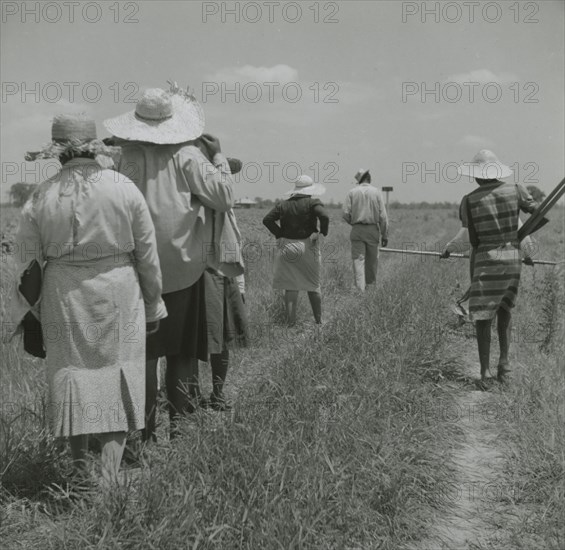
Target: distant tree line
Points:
(269, 203)
(20, 192)
(424, 205)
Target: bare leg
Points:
(358, 257)
(79, 447)
(111, 457)
(504, 326)
(290, 300)
(219, 363)
(148, 433)
(316, 303)
(483, 339)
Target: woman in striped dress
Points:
(491, 215)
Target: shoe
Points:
(484, 384)
(219, 403)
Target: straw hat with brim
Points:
(160, 117)
(72, 134)
(360, 174)
(485, 165)
(305, 185)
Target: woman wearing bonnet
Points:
(88, 269)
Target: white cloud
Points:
(482, 76)
(477, 142)
(248, 73)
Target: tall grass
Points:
(536, 432)
(330, 445)
(332, 449)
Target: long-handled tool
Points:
(429, 253)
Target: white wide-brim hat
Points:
(485, 165)
(161, 117)
(305, 185)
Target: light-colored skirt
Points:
(496, 276)
(297, 265)
(93, 324)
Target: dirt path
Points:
(478, 512)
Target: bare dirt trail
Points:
(480, 508)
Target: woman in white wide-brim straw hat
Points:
(304, 185)
(187, 183)
(485, 166)
(298, 259)
(91, 268)
(490, 220)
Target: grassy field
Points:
(332, 443)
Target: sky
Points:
(407, 90)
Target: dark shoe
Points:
(484, 384)
(219, 403)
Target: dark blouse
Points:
(298, 217)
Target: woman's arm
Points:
(323, 216)
(269, 221)
(146, 258)
(525, 201)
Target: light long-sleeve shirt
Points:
(182, 189)
(364, 205)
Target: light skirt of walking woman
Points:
(93, 324)
(297, 265)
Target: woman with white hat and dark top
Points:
(490, 213)
(298, 258)
(89, 264)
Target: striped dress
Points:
(491, 214)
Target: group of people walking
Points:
(302, 219)
(126, 266)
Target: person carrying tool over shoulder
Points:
(491, 216)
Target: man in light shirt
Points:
(365, 211)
